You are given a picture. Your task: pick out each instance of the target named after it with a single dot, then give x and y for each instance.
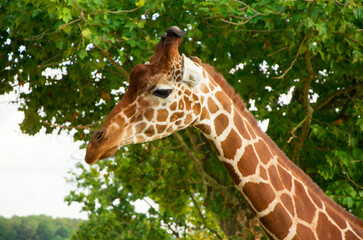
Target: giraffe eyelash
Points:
(162, 93)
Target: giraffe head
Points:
(162, 98)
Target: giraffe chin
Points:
(92, 158)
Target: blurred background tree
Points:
(37, 227)
(297, 64)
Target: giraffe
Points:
(172, 92)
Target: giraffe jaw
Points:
(92, 157)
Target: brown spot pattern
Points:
(176, 116)
(160, 128)
(206, 129)
(149, 114)
(350, 236)
(140, 138)
(162, 115)
(212, 106)
(188, 119)
(316, 200)
(139, 127)
(248, 163)
(204, 88)
(205, 114)
(337, 218)
(214, 147)
(173, 106)
(181, 105)
(325, 229)
(120, 120)
(196, 108)
(275, 178)
(263, 152)
(285, 177)
(139, 118)
(150, 131)
(224, 100)
(250, 130)
(195, 97)
(231, 144)
(187, 103)
(260, 194)
(130, 111)
(238, 122)
(304, 208)
(211, 87)
(303, 233)
(287, 202)
(263, 173)
(220, 123)
(278, 222)
(232, 173)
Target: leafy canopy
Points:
(311, 52)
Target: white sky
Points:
(33, 168)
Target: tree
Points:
(37, 227)
(43, 232)
(265, 49)
(62, 232)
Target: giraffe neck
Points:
(285, 200)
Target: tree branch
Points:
(207, 178)
(175, 233)
(123, 11)
(195, 140)
(276, 52)
(201, 215)
(337, 93)
(308, 109)
(354, 102)
(294, 60)
(88, 127)
(114, 63)
(248, 6)
(347, 175)
(81, 15)
(241, 23)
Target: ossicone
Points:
(167, 48)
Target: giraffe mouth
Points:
(109, 153)
(92, 157)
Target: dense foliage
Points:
(37, 227)
(265, 49)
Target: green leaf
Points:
(86, 33)
(82, 54)
(140, 3)
(66, 15)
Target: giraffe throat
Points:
(286, 201)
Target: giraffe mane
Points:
(228, 89)
(315, 189)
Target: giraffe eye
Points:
(98, 136)
(163, 93)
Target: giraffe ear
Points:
(192, 71)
